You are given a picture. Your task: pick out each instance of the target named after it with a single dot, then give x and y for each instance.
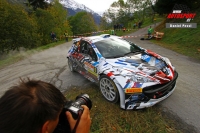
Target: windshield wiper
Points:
(134, 52)
(116, 56)
(128, 53)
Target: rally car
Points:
(124, 71)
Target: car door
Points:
(91, 63)
(87, 59)
(81, 56)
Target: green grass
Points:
(183, 41)
(110, 118)
(49, 45)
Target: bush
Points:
(17, 29)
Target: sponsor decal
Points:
(90, 68)
(133, 90)
(120, 63)
(88, 65)
(93, 73)
(95, 69)
(110, 74)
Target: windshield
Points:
(116, 47)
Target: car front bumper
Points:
(154, 94)
(152, 102)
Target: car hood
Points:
(146, 66)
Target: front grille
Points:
(160, 90)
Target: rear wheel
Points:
(108, 89)
(70, 64)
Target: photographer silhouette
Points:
(35, 106)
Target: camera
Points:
(74, 107)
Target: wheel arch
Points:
(121, 94)
(119, 88)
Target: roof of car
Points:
(94, 39)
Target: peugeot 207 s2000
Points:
(125, 72)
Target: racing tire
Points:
(108, 89)
(70, 64)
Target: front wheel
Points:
(108, 89)
(70, 64)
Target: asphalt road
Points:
(51, 66)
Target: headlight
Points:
(167, 61)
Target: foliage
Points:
(16, 28)
(59, 15)
(130, 12)
(37, 4)
(104, 24)
(20, 28)
(45, 22)
(53, 19)
(82, 22)
(141, 8)
(117, 13)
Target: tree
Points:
(17, 29)
(20, 28)
(117, 13)
(141, 8)
(46, 23)
(37, 4)
(104, 23)
(82, 22)
(59, 14)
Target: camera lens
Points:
(83, 99)
(74, 107)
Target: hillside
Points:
(184, 41)
(71, 6)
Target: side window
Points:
(86, 48)
(92, 53)
(83, 47)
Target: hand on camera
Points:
(84, 123)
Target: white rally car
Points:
(125, 72)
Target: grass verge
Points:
(187, 50)
(182, 40)
(110, 118)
